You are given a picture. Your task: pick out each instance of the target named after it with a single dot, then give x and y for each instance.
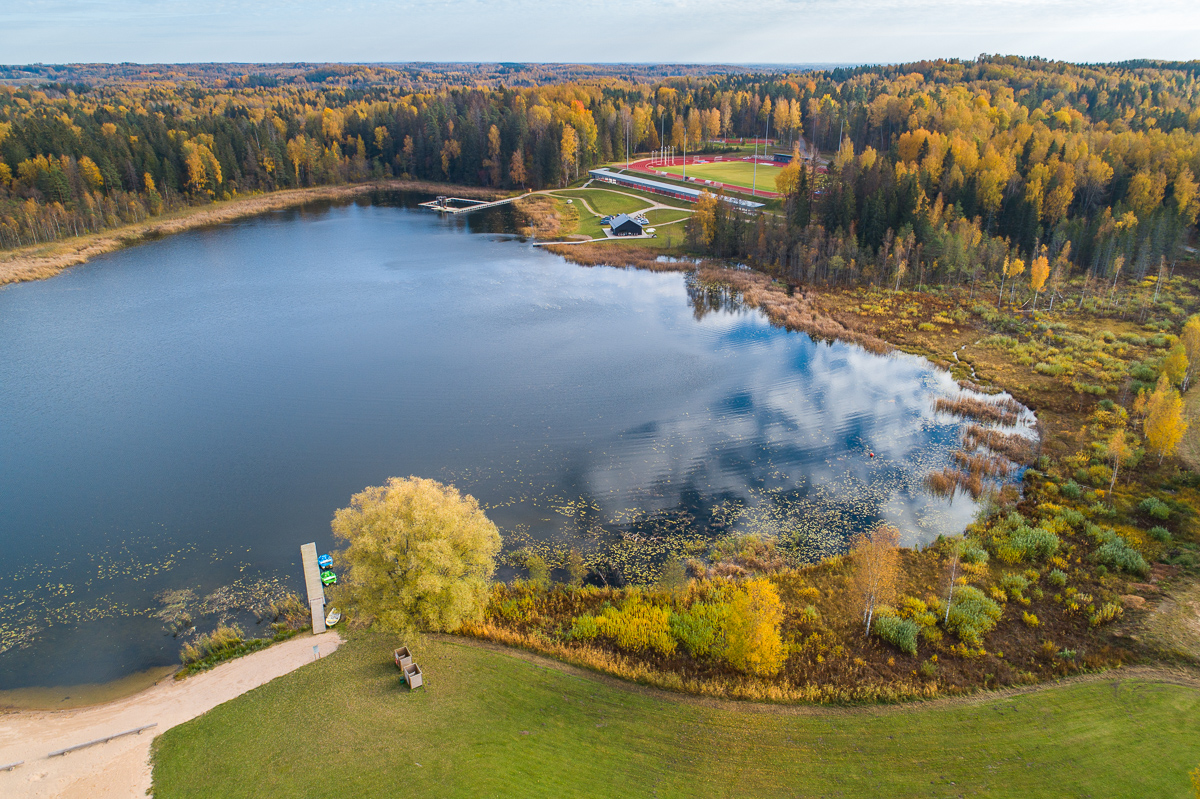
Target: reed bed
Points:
(1015, 447)
(793, 311)
(1003, 411)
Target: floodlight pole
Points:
(754, 179)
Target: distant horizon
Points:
(733, 32)
(747, 65)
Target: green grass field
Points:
(608, 203)
(736, 173)
(492, 724)
(661, 216)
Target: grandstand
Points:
(658, 187)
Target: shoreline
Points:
(121, 767)
(42, 261)
(81, 695)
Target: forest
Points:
(939, 170)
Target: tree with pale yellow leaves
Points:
(1119, 453)
(1039, 270)
(1164, 424)
(876, 567)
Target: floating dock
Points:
(459, 205)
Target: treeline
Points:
(937, 164)
(948, 171)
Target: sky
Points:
(578, 31)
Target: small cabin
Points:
(623, 225)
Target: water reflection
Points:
(182, 415)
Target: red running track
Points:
(643, 166)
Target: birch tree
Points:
(876, 567)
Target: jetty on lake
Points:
(459, 205)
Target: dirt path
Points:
(121, 768)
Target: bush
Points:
(1100, 475)
(973, 551)
(900, 633)
(1031, 620)
(1014, 584)
(972, 615)
(1071, 490)
(1155, 507)
(700, 627)
(1071, 516)
(1028, 544)
(927, 327)
(1057, 578)
(584, 628)
(1116, 553)
(219, 641)
(752, 641)
(638, 626)
(1160, 534)
(1107, 612)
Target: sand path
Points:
(121, 768)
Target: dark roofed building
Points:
(622, 225)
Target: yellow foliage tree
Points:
(703, 223)
(516, 170)
(752, 641)
(419, 555)
(203, 168)
(1175, 365)
(1039, 270)
(789, 177)
(1012, 268)
(569, 151)
(90, 174)
(876, 566)
(1119, 453)
(1164, 423)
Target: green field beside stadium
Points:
(733, 173)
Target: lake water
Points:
(186, 413)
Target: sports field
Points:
(734, 173)
(494, 723)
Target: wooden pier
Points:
(459, 205)
(313, 586)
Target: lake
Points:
(183, 415)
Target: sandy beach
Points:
(121, 767)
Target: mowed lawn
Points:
(608, 203)
(735, 173)
(492, 724)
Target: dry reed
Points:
(1002, 411)
(1015, 447)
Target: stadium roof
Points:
(683, 192)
